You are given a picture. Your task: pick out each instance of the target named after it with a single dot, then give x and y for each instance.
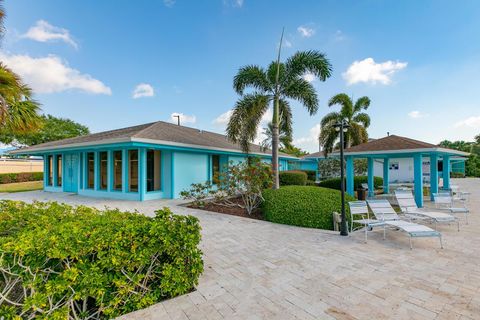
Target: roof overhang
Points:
(33, 150)
(405, 151)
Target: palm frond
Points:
(356, 134)
(246, 116)
(272, 73)
(362, 118)
(361, 104)
(328, 137)
(301, 90)
(310, 61)
(345, 102)
(285, 118)
(251, 76)
(330, 117)
(23, 117)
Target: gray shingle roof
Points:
(159, 131)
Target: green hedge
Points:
(86, 261)
(311, 174)
(20, 177)
(303, 206)
(292, 178)
(334, 183)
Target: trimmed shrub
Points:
(334, 183)
(311, 183)
(20, 177)
(292, 178)
(457, 175)
(311, 174)
(68, 262)
(303, 206)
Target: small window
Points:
(133, 170)
(50, 170)
(117, 170)
(153, 170)
(90, 170)
(103, 170)
(59, 170)
(215, 168)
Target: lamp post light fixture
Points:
(341, 127)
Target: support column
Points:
(109, 170)
(350, 173)
(433, 175)
(45, 170)
(386, 175)
(96, 171)
(371, 185)
(446, 172)
(142, 173)
(417, 169)
(125, 171)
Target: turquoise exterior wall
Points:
(179, 168)
(189, 168)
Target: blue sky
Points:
(418, 61)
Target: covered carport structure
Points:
(392, 147)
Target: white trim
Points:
(425, 150)
(140, 140)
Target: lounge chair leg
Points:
(366, 231)
(411, 245)
(441, 243)
(384, 232)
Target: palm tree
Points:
(18, 112)
(274, 86)
(284, 138)
(359, 122)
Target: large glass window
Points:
(153, 170)
(215, 168)
(90, 170)
(59, 170)
(133, 170)
(103, 170)
(117, 170)
(50, 170)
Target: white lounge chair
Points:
(383, 211)
(359, 215)
(409, 207)
(444, 201)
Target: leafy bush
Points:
(334, 183)
(20, 177)
(292, 178)
(303, 206)
(64, 262)
(457, 175)
(311, 183)
(311, 174)
(198, 193)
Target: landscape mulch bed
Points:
(232, 210)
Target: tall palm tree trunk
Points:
(275, 142)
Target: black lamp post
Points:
(342, 127)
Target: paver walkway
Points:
(260, 270)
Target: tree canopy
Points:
(50, 129)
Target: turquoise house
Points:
(150, 161)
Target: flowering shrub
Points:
(246, 179)
(63, 262)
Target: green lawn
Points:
(21, 186)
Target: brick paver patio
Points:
(260, 270)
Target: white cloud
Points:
(233, 3)
(310, 142)
(184, 118)
(310, 77)
(339, 35)
(143, 90)
(222, 120)
(43, 31)
(287, 44)
(169, 3)
(470, 122)
(369, 71)
(417, 114)
(50, 74)
(305, 31)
